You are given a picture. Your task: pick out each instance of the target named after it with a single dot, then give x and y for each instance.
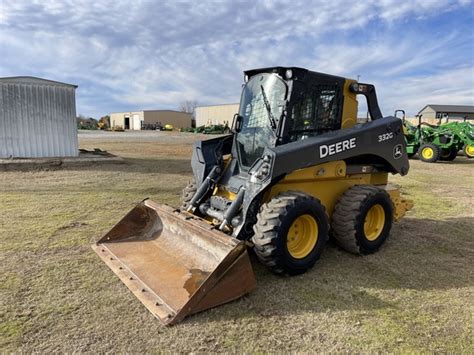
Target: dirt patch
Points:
(85, 158)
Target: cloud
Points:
(146, 54)
(450, 87)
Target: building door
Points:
(136, 122)
(126, 122)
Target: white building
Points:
(215, 114)
(37, 118)
(136, 120)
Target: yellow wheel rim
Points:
(374, 222)
(302, 236)
(427, 153)
(470, 150)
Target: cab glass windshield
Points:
(261, 106)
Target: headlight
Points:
(355, 87)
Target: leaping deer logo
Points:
(397, 151)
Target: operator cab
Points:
(283, 105)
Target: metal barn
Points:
(37, 118)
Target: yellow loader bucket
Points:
(175, 263)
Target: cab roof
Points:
(298, 73)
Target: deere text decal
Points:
(339, 147)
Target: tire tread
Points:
(347, 213)
(269, 219)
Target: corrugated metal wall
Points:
(37, 119)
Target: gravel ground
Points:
(141, 136)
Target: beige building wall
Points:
(429, 114)
(126, 120)
(215, 114)
(133, 120)
(414, 120)
(437, 121)
(175, 118)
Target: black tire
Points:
(273, 226)
(448, 154)
(466, 152)
(188, 193)
(434, 154)
(350, 214)
(247, 231)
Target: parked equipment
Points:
(433, 143)
(463, 136)
(296, 166)
(217, 129)
(412, 134)
(155, 126)
(213, 129)
(437, 143)
(422, 141)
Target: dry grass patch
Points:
(56, 295)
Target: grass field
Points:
(417, 293)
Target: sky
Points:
(135, 55)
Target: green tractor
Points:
(199, 129)
(438, 143)
(187, 130)
(463, 135)
(217, 129)
(449, 138)
(419, 140)
(433, 143)
(213, 129)
(412, 134)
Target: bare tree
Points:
(188, 106)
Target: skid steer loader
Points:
(295, 168)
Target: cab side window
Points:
(316, 112)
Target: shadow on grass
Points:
(155, 166)
(460, 160)
(420, 255)
(158, 165)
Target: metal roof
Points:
(450, 108)
(219, 105)
(32, 80)
(165, 111)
